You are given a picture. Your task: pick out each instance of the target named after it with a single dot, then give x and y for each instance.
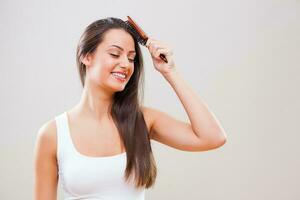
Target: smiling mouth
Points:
(119, 76)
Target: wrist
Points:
(171, 74)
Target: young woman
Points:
(100, 148)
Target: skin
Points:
(202, 133)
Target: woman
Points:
(100, 148)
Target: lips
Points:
(119, 76)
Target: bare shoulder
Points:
(46, 138)
(46, 178)
(149, 115)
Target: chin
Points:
(118, 88)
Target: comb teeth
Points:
(139, 38)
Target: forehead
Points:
(118, 37)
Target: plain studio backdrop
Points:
(241, 57)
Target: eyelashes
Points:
(117, 56)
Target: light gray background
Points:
(242, 57)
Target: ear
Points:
(87, 60)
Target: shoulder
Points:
(46, 138)
(148, 112)
(149, 115)
(45, 162)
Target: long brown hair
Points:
(125, 108)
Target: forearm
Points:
(203, 122)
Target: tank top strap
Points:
(64, 148)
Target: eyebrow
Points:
(121, 48)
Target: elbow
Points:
(221, 141)
(218, 142)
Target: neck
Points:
(95, 102)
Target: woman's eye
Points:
(114, 55)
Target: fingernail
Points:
(147, 43)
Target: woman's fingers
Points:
(155, 45)
(164, 51)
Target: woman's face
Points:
(112, 63)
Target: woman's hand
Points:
(156, 48)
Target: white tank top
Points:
(91, 178)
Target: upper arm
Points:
(45, 163)
(175, 133)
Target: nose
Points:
(125, 63)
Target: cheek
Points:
(131, 71)
(101, 70)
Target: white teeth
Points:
(119, 75)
